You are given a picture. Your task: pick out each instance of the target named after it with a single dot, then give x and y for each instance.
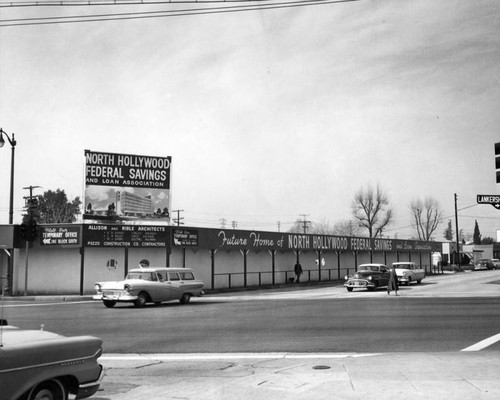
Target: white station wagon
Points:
(408, 272)
(151, 285)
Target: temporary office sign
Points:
(185, 237)
(60, 235)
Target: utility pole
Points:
(279, 226)
(179, 218)
(29, 230)
(234, 224)
(305, 224)
(223, 223)
(457, 231)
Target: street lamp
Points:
(13, 145)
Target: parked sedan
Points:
(368, 276)
(41, 365)
(484, 264)
(408, 272)
(151, 285)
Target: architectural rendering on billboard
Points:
(126, 187)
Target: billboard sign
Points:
(144, 236)
(185, 237)
(126, 187)
(58, 235)
(7, 235)
(234, 239)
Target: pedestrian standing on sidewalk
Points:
(393, 282)
(298, 272)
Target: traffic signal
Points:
(497, 161)
(23, 230)
(32, 206)
(32, 230)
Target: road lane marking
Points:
(48, 304)
(227, 356)
(483, 343)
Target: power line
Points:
(92, 3)
(162, 14)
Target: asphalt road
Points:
(444, 313)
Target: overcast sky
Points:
(267, 114)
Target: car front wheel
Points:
(142, 299)
(109, 303)
(185, 298)
(49, 390)
(349, 289)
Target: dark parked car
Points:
(41, 365)
(368, 276)
(484, 264)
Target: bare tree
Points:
(372, 209)
(426, 217)
(322, 228)
(346, 228)
(297, 227)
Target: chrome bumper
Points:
(359, 284)
(90, 388)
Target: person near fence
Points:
(298, 272)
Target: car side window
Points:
(173, 276)
(160, 277)
(187, 276)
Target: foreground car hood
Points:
(24, 347)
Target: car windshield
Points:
(372, 268)
(145, 276)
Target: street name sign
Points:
(492, 199)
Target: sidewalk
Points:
(251, 289)
(287, 376)
(234, 290)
